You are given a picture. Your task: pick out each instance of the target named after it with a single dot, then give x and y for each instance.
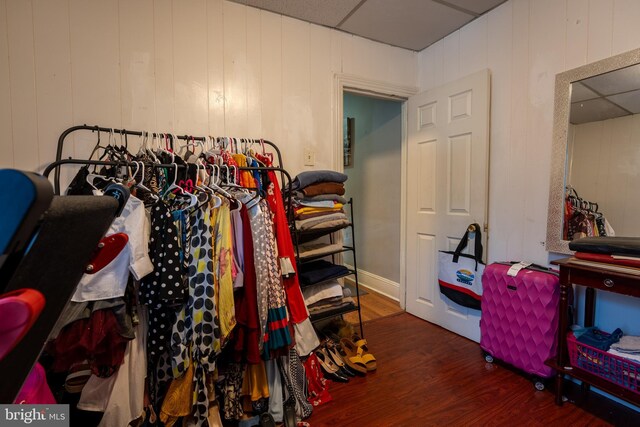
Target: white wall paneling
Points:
(6, 141)
(272, 64)
(254, 74)
(24, 107)
(190, 67)
(499, 37)
(235, 68)
(626, 15)
(600, 31)
(52, 72)
(577, 33)
(163, 69)
(320, 80)
(296, 95)
(137, 66)
(205, 67)
(215, 67)
(95, 69)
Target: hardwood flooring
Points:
(373, 306)
(428, 376)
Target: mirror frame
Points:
(562, 107)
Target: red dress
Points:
(295, 300)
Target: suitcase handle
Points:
(535, 267)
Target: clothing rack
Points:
(63, 136)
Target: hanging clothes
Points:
(223, 268)
(196, 327)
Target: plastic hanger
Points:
(193, 200)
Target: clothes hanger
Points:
(193, 200)
(141, 183)
(215, 187)
(212, 196)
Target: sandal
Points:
(331, 370)
(352, 358)
(366, 358)
(332, 351)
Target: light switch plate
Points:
(309, 157)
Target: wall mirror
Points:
(595, 164)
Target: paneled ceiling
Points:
(606, 96)
(410, 24)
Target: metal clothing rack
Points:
(96, 128)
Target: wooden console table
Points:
(592, 278)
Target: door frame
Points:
(384, 90)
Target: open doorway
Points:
(373, 162)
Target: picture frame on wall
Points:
(348, 140)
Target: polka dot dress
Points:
(196, 327)
(166, 286)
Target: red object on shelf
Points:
(618, 370)
(608, 259)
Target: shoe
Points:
(330, 369)
(334, 355)
(19, 310)
(266, 420)
(361, 343)
(357, 355)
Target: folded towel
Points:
(335, 197)
(307, 215)
(309, 223)
(628, 344)
(328, 224)
(306, 178)
(311, 249)
(324, 188)
(634, 357)
(321, 291)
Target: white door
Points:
(447, 189)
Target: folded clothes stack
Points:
(628, 347)
(318, 200)
(326, 296)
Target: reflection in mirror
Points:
(603, 156)
(595, 163)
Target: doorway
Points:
(372, 159)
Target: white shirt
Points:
(111, 281)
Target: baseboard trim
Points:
(375, 283)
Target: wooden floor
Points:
(374, 306)
(428, 376)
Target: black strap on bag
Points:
(477, 250)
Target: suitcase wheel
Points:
(488, 358)
(538, 384)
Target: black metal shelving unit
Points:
(300, 237)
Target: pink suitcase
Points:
(519, 322)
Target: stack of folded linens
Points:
(608, 252)
(318, 199)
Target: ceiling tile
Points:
(477, 6)
(580, 92)
(594, 110)
(413, 24)
(623, 80)
(628, 100)
(325, 12)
